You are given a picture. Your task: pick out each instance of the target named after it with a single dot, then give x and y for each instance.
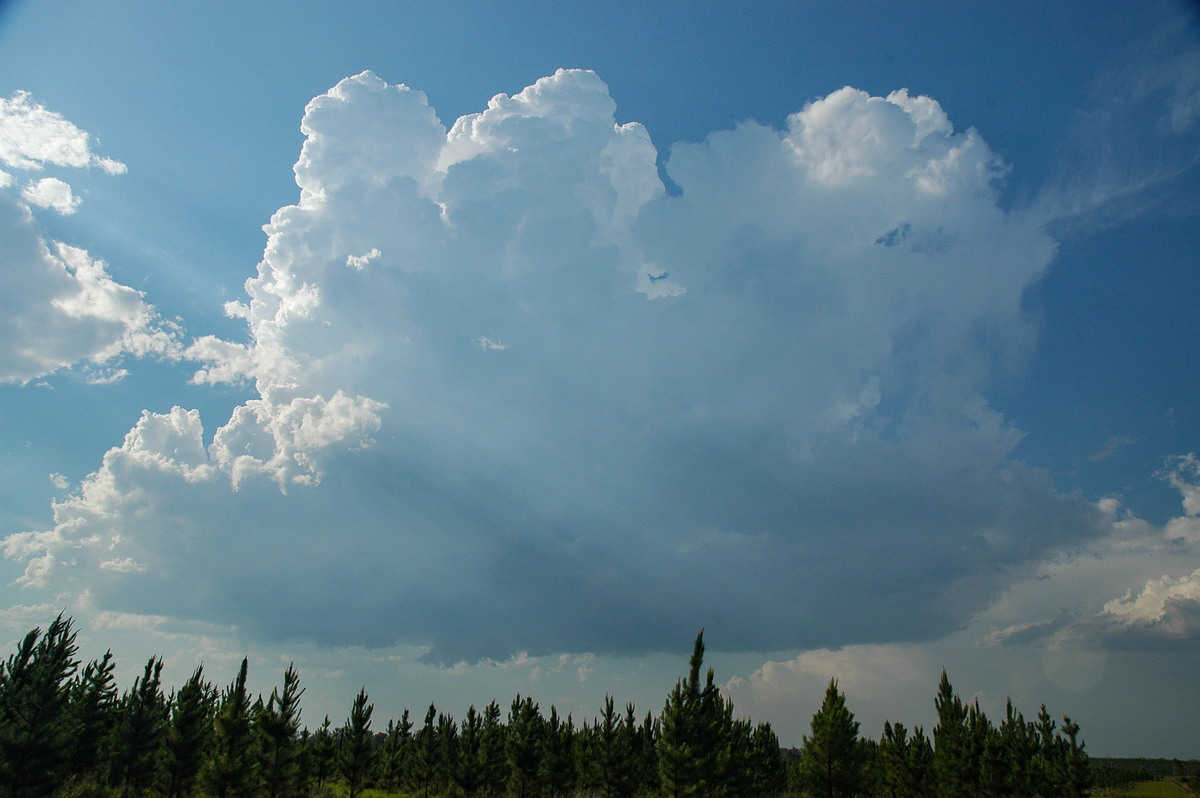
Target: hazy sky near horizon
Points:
(466, 349)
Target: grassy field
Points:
(1156, 789)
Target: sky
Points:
(468, 349)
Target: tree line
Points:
(67, 730)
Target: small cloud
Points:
(488, 345)
(107, 376)
(1026, 633)
(1110, 447)
(59, 481)
(360, 262)
(125, 566)
(51, 193)
(24, 614)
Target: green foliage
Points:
(523, 747)
(278, 726)
(557, 767)
(189, 731)
(322, 754)
(953, 770)
(65, 733)
(232, 768)
(425, 753)
(356, 744)
(832, 764)
(36, 723)
(140, 732)
(94, 706)
(393, 758)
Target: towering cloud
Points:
(512, 394)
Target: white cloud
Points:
(1069, 609)
(555, 391)
(361, 262)
(1151, 605)
(50, 192)
(32, 137)
(21, 615)
(61, 305)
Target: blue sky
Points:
(467, 349)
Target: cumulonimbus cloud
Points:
(512, 395)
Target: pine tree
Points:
(232, 769)
(953, 768)
(920, 763)
(765, 763)
(470, 771)
(611, 751)
(189, 731)
(322, 754)
(492, 750)
(394, 756)
(448, 751)
(685, 755)
(645, 753)
(831, 761)
(1020, 748)
(677, 764)
(1042, 768)
(557, 767)
(986, 749)
(892, 762)
(425, 753)
(523, 746)
(36, 724)
(94, 707)
(354, 760)
(278, 728)
(141, 732)
(1075, 778)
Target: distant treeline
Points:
(1117, 773)
(66, 730)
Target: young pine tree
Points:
(37, 730)
(94, 706)
(425, 753)
(953, 767)
(557, 767)
(765, 763)
(469, 768)
(357, 744)
(393, 759)
(492, 750)
(523, 747)
(322, 754)
(831, 762)
(278, 727)
(447, 751)
(189, 731)
(232, 768)
(611, 750)
(141, 732)
(686, 757)
(1075, 778)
